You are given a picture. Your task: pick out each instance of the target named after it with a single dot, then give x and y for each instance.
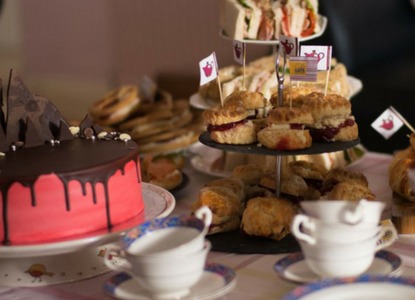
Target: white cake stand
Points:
(77, 258)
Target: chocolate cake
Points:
(58, 181)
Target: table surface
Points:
(256, 277)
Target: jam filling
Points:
(327, 134)
(226, 126)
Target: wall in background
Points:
(73, 52)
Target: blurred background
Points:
(73, 52)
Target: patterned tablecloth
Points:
(256, 276)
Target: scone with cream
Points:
(286, 129)
(333, 119)
(268, 217)
(230, 124)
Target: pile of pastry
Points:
(291, 123)
(156, 121)
(402, 162)
(260, 77)
(246, 201)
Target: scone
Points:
(350, 190)
(286, 129)
(312, 173)
(255, 102)
(334, 176)
(234, 184)
(268, 217)
(225, 205)
(293, 187)
(250, 174)
(230, 124)
(333, 119)
(291, 96)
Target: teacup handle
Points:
(388, 237)
(303, 221)
(356, 215)
(205, 214)
(115, 250)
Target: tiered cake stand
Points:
(236, 241)
(78, 257)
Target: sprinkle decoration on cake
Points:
(59, 181)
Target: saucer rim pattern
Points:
(280, 267)
(308, 289)
(227, 274)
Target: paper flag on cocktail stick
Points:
(303, 68)
(239, 55)
(289, 45)
(402, 119)
(209, 71)
(323, 55)
(387, 123)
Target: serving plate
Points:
(293, 267)
(322, 23)
(316, 147)
(158, 203)
(217, 280)
(362, 287)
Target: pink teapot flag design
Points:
(289, 44)
(239, 52)
(208, 69)
(387, 123)
(322, 53)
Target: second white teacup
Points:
(313, 231)
(344, 211)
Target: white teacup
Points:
(330, 251)
(340, 267)
(313, 231)
(169, 235)
(166, 276)
(344, 211)
(331, 260)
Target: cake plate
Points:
(77, 258)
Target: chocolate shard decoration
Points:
(17, 97)
(51, 117)
(64, 132)
(98, 128)
(22, 105)
(85, 126)
(33, 137)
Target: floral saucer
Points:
(217, 280)
(294, 268)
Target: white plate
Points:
(158, 203)
(367, 287)
(53, 269)
(216, 281)
(294, 268)
(203, 159)
(323, 26)
(199, 102)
